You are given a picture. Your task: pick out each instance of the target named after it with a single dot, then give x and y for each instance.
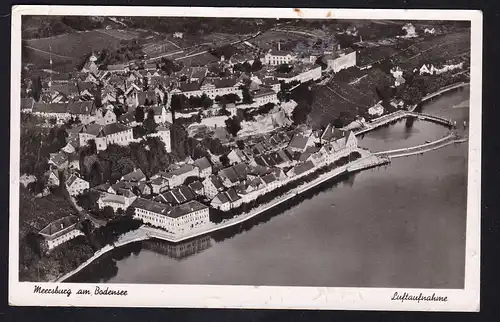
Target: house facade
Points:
(176, 220)
(342, 60)
(115, 133)
(60, 231)
(277, 57)
(115, 201)
(177, 177)
(62, 112)
(76, 185)
(212, 186)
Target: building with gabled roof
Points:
(116, 201)
(178, 176)
(63, 112)
(212, 186)
(59, 160)
(205, 167)
(76, 185)
(159, 185)
(300, 169)
(197, 187)
(60, 231)
(300, 142)
(134, 176)
(226, 200)
(105, 116)
(176, 196)
(104, 135)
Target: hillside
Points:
(69, 50)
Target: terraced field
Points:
(350, 94)
(434, 50)
(412, 53)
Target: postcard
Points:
(245, 158)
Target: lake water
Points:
(400, 225)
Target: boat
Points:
(427, 141)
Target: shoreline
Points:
(144, 232)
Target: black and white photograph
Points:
(237, 157)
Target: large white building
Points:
(176, 220)
(212, 87)
(104, 135)
(278, 57)
(341, 60)
(116, 201)
(60, 231)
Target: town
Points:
(177, 142)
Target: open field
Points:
(270, 39)
(197, 60)
(120, 33)
(75, 44)
(159, 48)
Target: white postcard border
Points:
(225, 296)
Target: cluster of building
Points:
(178, 199)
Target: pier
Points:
(419, 149)
(389, 118)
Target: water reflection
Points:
(181, 250)
(266, 216)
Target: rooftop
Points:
(59, 226)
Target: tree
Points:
(118, 110)
(284, 68)
(130, 212)
(300, 113)
(36, 89)
(224, 160)
(247, 97)
(107, 212)
(256, 65)
(139, 114)
(233, 125)
(206, 101)
(150, 124)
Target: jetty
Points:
(419, 149)
(392, 117)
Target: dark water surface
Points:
(402, 225)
